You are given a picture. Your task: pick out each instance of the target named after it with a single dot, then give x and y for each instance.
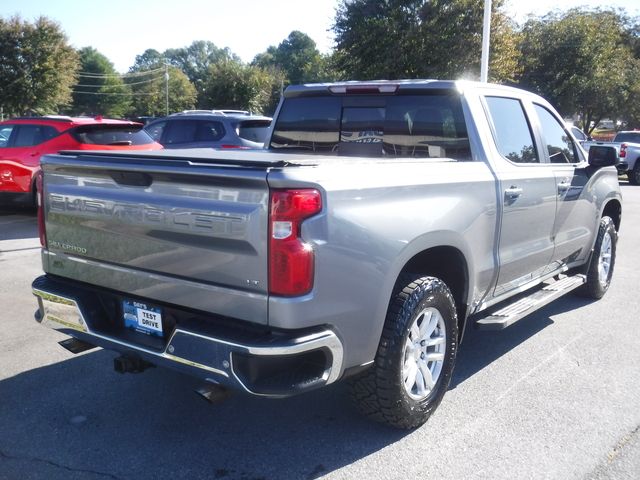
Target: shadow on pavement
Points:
(480, 348)
(79, 419)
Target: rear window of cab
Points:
(428, 126)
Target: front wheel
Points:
(415, 357)
(602, 261)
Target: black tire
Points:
(595, 287)
(634, 175)
(380, 392)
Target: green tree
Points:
(582, 62)
(195, 61)
(100, 90)
(422, 39)
(629, 113)
(298, 57)
(233, 85)
(148, 60)
(149, 91)
(37, 66)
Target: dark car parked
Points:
(216, 128)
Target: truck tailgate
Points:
(185, 233)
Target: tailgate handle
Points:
(132, 179)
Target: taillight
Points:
(40, 199)
(234, 147)
(623, 150)
(291, 261)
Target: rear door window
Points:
(180, 131)
(111, 135)
(209, 131)
(395, 126)
(512, 132)
(30, 135)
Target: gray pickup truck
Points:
(627, 144)
(383, 220)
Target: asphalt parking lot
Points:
(557, 396)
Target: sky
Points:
(122, 29)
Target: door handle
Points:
(513, 192)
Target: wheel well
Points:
(449, 265)
(613, 209)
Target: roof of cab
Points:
(402, 86)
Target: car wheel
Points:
(602, 261)
(634, 175)
(415, 357)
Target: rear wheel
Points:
(602, 261)
(415, 358)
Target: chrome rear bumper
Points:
(272, 365)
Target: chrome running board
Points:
(508, 314)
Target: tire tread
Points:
(375, 391)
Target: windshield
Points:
(112, 135)
(397, 126)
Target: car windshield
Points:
(632, 137)
(394, 126)
(112, 135)
(254, 130)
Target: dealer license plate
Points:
(142, 317)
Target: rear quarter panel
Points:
(366, 235)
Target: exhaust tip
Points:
(213, 393)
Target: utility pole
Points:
(486, 34)
(166, 87)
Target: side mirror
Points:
(601, 156)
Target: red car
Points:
(24, 140)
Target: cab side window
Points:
(512, 131)
(559, 144)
